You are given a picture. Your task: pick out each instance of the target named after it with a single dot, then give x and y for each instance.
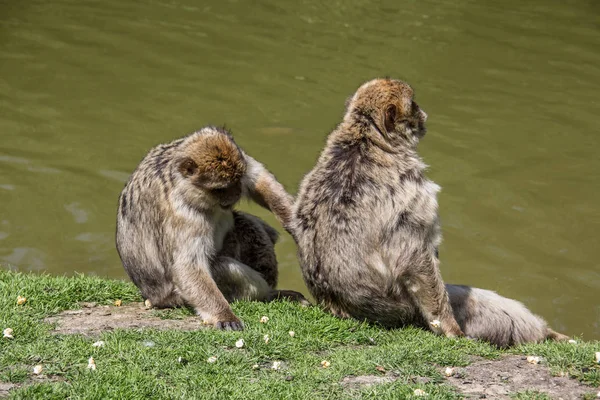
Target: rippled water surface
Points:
(511, 89)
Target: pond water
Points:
(511, 89)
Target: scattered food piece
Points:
(380, 369)
(37, 369)
(205, 322)
(449, 371)
(239, 344)
(148, 343)
(266, 338)
(147, 303)
(118, 303)
(264, 319)
(99, 343)
(573, 341)
(325, 364)
(183, 361)
(289, 378)
(292, 333)
(8, 333)
(21, 300)
(91, 364)
(211, 360)
(420, 392)
(276, 365)
(533, 359)
(255, 366)
(436, 324)
(598, 357)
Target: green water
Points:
(511, 89)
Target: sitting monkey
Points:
(367, 228)
(179, 239)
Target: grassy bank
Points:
(136, 364)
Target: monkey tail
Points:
(553, 335)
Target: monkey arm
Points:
(193, 280)
(264, 189)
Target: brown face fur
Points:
(215, 164)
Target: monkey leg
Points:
(238, 281)
(198, 289)
(427, 289)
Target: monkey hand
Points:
(226, 322)
(230, 325)
(451, 329)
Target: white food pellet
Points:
(91, 364)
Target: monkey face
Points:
(227, 196)
(408, 123)
(215, 165)
(224, 189)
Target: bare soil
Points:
(499, 379)
(6, 387)
(492, 379)
(92, 319)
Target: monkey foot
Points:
(290, 295)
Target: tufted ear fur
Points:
(389, 118)
(187, 167)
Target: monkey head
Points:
(214, 164)
(387, 108)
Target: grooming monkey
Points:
(366, 224)
(179, 239)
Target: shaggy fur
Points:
(179, 239)
(366, 223)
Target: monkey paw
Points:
(230, 325)
(289, 295)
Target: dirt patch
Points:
(6, 387)
(499, 379)
(92, 319)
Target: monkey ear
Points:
(187, 167)
(389, 118)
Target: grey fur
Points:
(486, 315)
(366, 223)
(179, 239)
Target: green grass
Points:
(127, 368)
